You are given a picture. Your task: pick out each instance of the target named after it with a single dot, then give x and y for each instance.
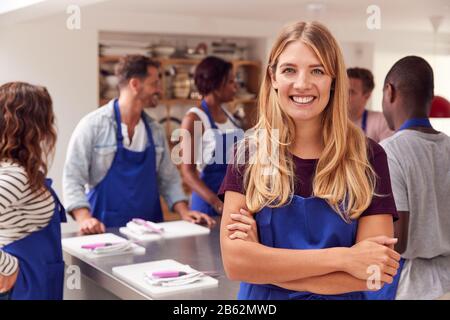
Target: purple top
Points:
(304, 173)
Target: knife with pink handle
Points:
(93, 246)
(148, 224)
(176, 273)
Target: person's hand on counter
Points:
(198, 217)
(87, 224)
(193, 216)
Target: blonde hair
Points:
(344, 176)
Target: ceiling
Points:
(396, 15)
(407, 15)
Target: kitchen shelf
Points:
(251, 69)
(189, 102)
(244, 101)
(179, 101)
(171, 61)
(108, 59)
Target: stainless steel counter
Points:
(200, 252)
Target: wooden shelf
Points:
(244, 63)
(179, 101)
(169, 61)
(197, 101)
(244, 101)
(108, 59)
(188, 102)
(163, 61)
(251, 68)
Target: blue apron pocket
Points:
(55, 281)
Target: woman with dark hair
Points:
(31, 265)
(215, 132)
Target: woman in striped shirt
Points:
(30, 213)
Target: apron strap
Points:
(58, 204)
(211, 120)
(364, 121)
(148, 130)
(208, 114)
(119, 125)
(118, 122)
(229, 116)
(416, 122)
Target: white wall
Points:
(64, 61)
(441, 124)
(384, 60)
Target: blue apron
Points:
(305, 223)
(214, 173)
(364, 121)
(389, 291)
(130, 188)
(41, 266)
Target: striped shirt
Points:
(21, 211)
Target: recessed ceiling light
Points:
(436, 22)
(316, 6)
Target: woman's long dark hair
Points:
(27, 131)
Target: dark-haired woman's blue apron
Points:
(130, 188)
(214, 173)
(305, 223)
(41, 266)
(389, 291)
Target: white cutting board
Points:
(173, 229)
(133, 274)
(74, 245)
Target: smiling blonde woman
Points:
(324, 216)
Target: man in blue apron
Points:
(41, 267)
(123, 157)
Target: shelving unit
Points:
(173, 107)
(252, 70)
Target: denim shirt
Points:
(91, 152)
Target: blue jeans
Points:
(4, 296)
